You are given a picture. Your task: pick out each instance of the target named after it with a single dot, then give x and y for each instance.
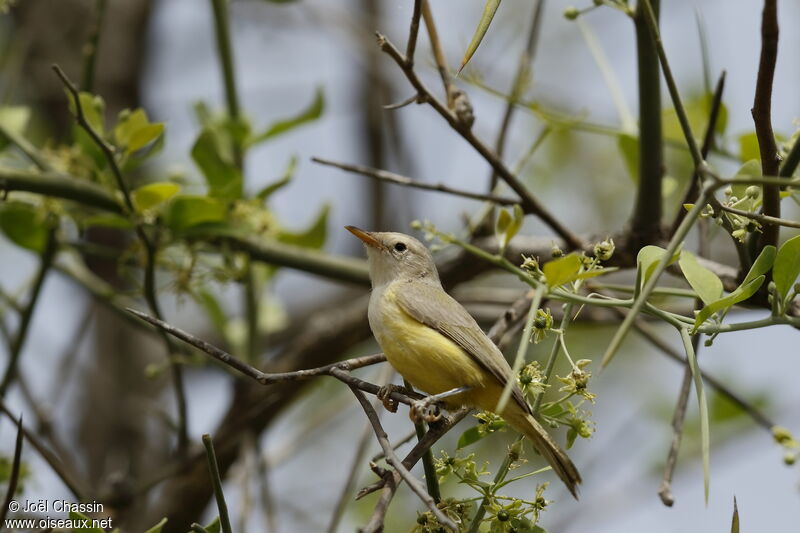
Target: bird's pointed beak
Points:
(367, 237)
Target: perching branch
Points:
(395, 462)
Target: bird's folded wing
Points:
(432, 306)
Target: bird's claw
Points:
(426, 409)
(385, 393)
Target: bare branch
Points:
(395, 461)
(391, 177)
(529, 203)
(762, 117)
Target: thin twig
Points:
(519, 84)
(762, 118)
(13, 478)
(150, 249)
(45, 262)
(61, 470)
(708, 141)
(764, 219)
(397, 464)
(529, 203)
(391, 177)
(438, 53)
(90, 49)
(413, 31)
(358, 457)
(216, 481)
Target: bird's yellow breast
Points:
(426, 358)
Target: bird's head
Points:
(396, 256)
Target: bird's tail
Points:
(544, 443)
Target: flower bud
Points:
(605, 249)
(556, 252)
(571, 13)
(752, 191)
(789, 458)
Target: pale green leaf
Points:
(562, 270)
(629, 148)
(762, 264)
(288, 174)
(647, 260)
(742, 293)
(153, 195)
(787, 267)
(24, 225)
(489, 11)
(312, 237)
(704, 282)
(501, 225)
(14, 120)
(749, 169)
(185, 212)
(212, 155)
(80, 519)
(705, 438)
(158, 527)
(311, 113)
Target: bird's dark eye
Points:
(400, 247)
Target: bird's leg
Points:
(427, 408)
(384, 395)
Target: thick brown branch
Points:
(762, 117)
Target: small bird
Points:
(435, 344)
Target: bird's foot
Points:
(426, 409)
(385, 393)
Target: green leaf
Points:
(311, 113)
(762, 264)
(742, 293)
(14, 119)
(106, 220)
(134, 131)
(212, 154)
(288, 174)
(704, 282)
(312, 237)
(735, 519)
(214, 526)
(647, 260)
(470, 436)
(185, 212)
(93, 110)
(153, 195)
(562, 270)
(697, 110)
(787, 267)
(751, 168)
(24, 225)
(629, 147)
(489, 11)
(158, 527)
(748, 147)
(80, 518)
(705, 438)
(214, 310)
(596, 272)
